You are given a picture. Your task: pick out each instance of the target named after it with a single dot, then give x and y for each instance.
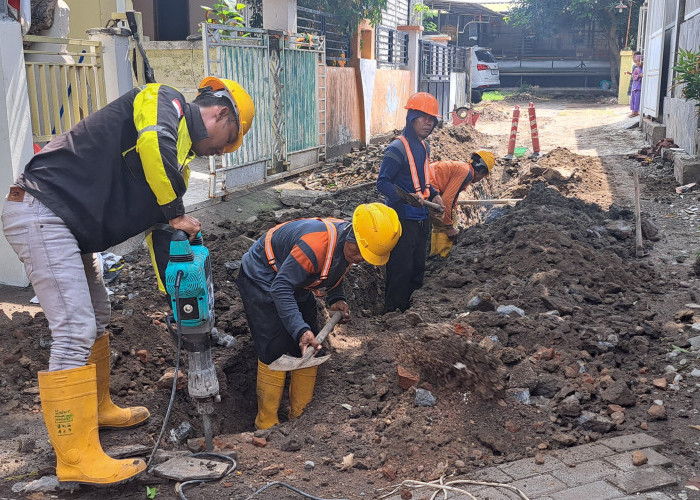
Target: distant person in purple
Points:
(636, 88)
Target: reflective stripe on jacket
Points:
(417, 188)
(121, 169)
(396, 170)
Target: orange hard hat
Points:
(425, 102)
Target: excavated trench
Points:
(545, 295)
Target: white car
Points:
(484, 72)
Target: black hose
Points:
(178, 279)
(181, 486)
(295, 490)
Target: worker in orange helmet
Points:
(406, 165)
(451, 178)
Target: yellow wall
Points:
(392, 87)
(626, 63)
(178, 64)
(86, 14)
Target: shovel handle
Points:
(327, 328)
(434, 206)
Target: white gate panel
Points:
(653, 59)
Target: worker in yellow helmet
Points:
(116, 173)
(451, 178)
(278, 280)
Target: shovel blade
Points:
(287, 363)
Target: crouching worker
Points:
(112, 176)
(278, 279)
(451, 178)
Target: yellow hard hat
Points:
(377, 230)
(242, 104)
(488, 157)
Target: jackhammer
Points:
(189, 282)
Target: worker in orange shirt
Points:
(451, 178)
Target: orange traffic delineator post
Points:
(534, 133)
(513, 133)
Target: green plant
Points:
(426, 13)
(493, 96)
(225, 12)
(349, 14)
(151, 492)
(687, 70)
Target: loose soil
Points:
(582, 354)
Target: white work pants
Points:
(68, 284)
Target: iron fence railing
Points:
(327, 25)
(461, 59)
(391, 46)
(437, 61)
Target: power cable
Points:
(178, 279)
(295, 490)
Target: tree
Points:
(349, 13)
(545, 17)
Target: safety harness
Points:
(414, 170)
(332, 240)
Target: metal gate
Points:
(303, 59)
(242, 55)
(435, 69)
(281, 73)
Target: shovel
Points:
(415, 203)
(287, 363)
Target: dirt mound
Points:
(572, 175)
(489, 112)
(362, 166)
(447, 355)
(456, 143)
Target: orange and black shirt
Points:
(296, 258)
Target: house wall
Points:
(680, 116)
(145, 7)
(392, 87)
(681, 119)
(344, 120)
(178, 64)
(86, 14)
(195, 14)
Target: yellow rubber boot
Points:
(440, 243)
(270, 387)
(301, 390)
(69, 403)
(110, 415)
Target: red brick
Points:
(407, 379)
(166, 381)
(259, 442)
(660, 383)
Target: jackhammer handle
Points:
(327, 328)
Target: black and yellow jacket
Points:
(121, 169)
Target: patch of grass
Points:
(495, 96)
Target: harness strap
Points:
(332, 240)
(414, 171)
